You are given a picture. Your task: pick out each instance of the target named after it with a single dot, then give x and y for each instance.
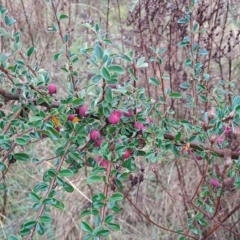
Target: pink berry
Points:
(114, 118)
(138, 110)
(139, 125)
(214, 182)
(199, 158)
(127, 154)
(71, 117)
(83, 111)
(52, 89)
(114, 86)
(129, 113)
(99, 142)
(94, 135)
(102, 162)
(227, 130)
(118, 113)
(149, 120)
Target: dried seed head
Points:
(134, 181)
(142, 169)
(113, 188)
(236, 132)
(227, 130)
(155, 167)
(213, 138)
(131, 177)
(234, 144)
(232, 114)
(228, 182)
(219, 172)
(227, 157)
(211, 114)
(141, 178)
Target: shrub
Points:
(120, 127)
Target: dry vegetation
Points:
(151, 23)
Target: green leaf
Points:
(21, 141)
(103, 233)
(30, 224)
(195, 27)
(109, 95)
(175, 95)
(188, 62)
(154, 81)
(56, 56)
(183, 21)
(202, 52)
(113, 226)
(33, 196)
(105, 73)
(45, 219)
(30, 51)
(21, 156)
(236, 101)
(178, 137)
(141, 63)
(40, 229)
(68, 187)
(89, 237)
(86, 227)
(40, 187)
(2, 167)
(93, 179)
(109, 218)
(98, 51)
(66, 173)
(116, 197)
(127, 58)
(87, 212)
(62, 16)
(116, 69)
(12, 237)
(77, 102)
(53, 134)
(185, 85)
(58, 204)
(96, 78)
(2, 186)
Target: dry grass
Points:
(154, 23)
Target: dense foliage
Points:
(110, 126)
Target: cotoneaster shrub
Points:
(108, 125)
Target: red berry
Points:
(57, 129)
(52, 89)
(102, 162)
(71, 117)
(139, 125)
(94, 135)
(114, 118)
(214, 182)
(129, 113)
(99, 142)
(127, 154)
(83, 111)
(149, 120)
(114, 86)
(118, 113)
(138, 110)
